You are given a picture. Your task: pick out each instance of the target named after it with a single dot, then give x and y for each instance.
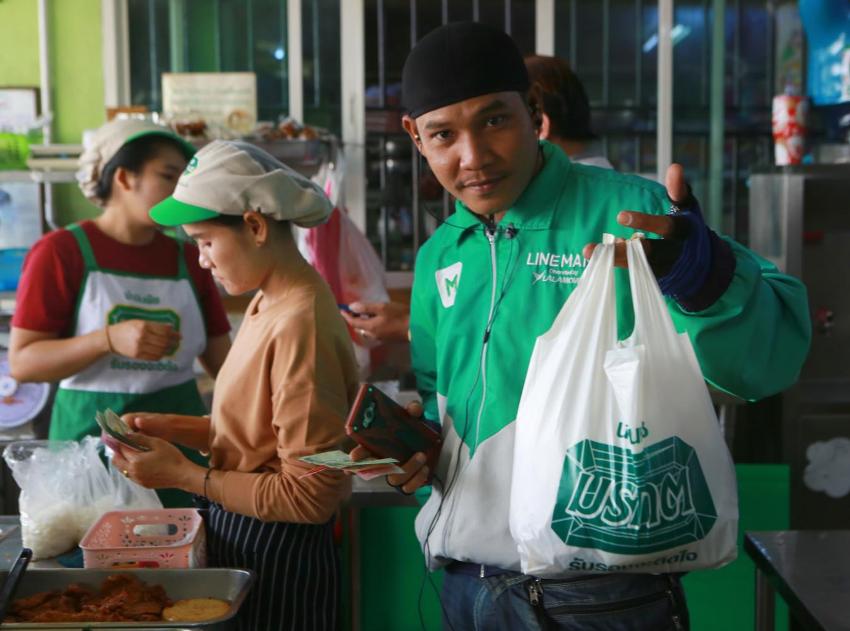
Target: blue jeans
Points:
(603, 602)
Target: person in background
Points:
(492, 279)
(283, 391)
(113, 309)
(381, 321)
(565, 120)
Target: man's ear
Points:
(258, 224)
(410, 127)
(544, 131)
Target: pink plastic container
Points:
(164, 538)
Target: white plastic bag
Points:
(619, 463)
(65, 488)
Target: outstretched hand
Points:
(673, 230)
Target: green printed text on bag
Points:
(632, 503)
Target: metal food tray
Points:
(226, 584)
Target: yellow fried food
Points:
(195, 610)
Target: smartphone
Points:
(387, 430)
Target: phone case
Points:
(386, 429)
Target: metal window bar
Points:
(152, 55)
(507, 17)
(638, 77)
(284, 63)
(606, 66)
(705, 67)
(446, 211)
(638, 56)
(382, 102)
(317, 56)
(770, 85)
(573, 32)
(414, 153)
(249, 26)
(733, 168)
(216, 14)
(736, 54)
(177, 37)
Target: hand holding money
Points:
(339, 460)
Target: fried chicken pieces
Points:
(122, 598)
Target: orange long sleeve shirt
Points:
(283, 392)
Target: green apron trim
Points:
(73, 410)
(84, 245)
(89, 264)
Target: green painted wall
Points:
(76, 67)
(76, 74)
(19, 47)
(393, 582)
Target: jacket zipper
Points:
(491, 237)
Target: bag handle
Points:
(652, 318)
(594, 293)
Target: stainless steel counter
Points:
(10, 545)
(811, 571)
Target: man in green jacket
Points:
(492, 279)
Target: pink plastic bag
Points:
(346, 260)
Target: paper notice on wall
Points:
(18, 109)
(225, 100)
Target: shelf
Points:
(38, 177)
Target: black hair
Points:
(562, 97)
(133, 157)
(231, 221)
(234, 221)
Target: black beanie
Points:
(460, 61)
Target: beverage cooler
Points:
(800, 220)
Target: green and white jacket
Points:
(480, 301)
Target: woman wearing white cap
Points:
(282, 393)
(112, 307)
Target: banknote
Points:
(340, 460)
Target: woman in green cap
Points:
(113, 309)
